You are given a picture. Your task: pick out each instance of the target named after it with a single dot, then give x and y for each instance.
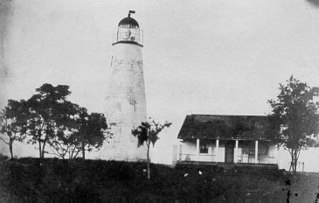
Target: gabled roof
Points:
(224, 127)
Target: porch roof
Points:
(224, 127)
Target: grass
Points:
(56, 180)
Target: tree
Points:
(48, 114)
(48, 118)
(65, 143)
(92, 131)
(294, 119)
(11, 119)
(147, 133)
(89, 133)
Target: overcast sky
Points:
(200, 57)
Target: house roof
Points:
(224, 127)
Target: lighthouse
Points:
(125, 102)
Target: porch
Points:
(226, 151)
(228, 165)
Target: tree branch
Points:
(3, 140)
(56, 154)
(78, 151)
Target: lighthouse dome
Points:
(128, 22)
(128, 31)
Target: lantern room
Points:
(128, 31)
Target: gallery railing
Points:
(196, 157)
(260, 159)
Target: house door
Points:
(229, 154)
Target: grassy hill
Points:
(56, 180)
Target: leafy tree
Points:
(147, 133)
(294, 118)
(48, 114)
(87, 132)
(11, 119)
(92, 131)
(48, 118)
(65, 144)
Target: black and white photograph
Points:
(159, 101)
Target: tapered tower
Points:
(125, 103)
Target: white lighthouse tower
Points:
(125, 102)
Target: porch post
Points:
(180, 152)
(236, 152)
(256, 151)
(197, 148)
(216, 150)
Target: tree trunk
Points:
(10, 147)
(43, 148)
(294, 160)
(295, 165)
(40, 151)
(148, 160)
(83, 147)
(293, 168)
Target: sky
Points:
(200, 57)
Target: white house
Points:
(225, 139)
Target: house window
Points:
(252, 151)
(263, 150)
(203, 148)
(246, 150)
